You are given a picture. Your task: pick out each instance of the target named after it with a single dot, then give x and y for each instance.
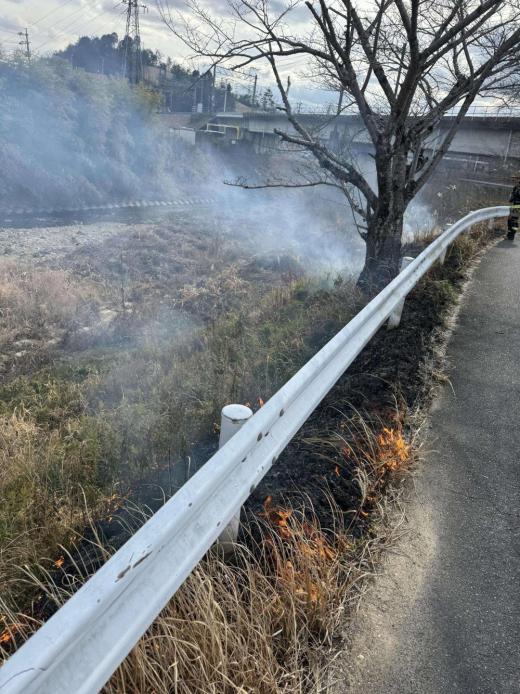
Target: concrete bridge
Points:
(480, 140)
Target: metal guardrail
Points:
(84, 642)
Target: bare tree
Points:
(403, 64)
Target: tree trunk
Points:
(385, 227)
(383, 252)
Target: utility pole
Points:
(254, 90)
(212, 107)
(133, 59)
(25, 43)
(225, 96)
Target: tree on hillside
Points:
(402, 64)
(105, 54)
(94, 54)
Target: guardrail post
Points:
(395, 317)
(233, 418)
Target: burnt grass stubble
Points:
(389, 379)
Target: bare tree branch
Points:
(405, 64)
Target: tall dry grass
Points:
(35, 302)
(265, 621)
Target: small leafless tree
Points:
(403, 64)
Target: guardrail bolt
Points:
(232, 420)
(395, 316)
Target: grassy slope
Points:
(76, 432)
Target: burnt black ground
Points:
(392, 372)
(444, 618)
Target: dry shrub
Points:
(33, 300)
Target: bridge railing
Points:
(475, 111)
(491, 112)
(79, 648)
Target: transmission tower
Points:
(25, 43)
(132, 58)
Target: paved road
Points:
(444, 618)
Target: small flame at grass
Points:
(393, 449)
(7, 635)
(277, 517)
(310, 550)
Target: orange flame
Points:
(7, 635)
(311, 551)
(394, 451)
(261, 401)
(277, 517)
(59, 562)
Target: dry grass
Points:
(32, 300)
(48, 475)
(256, 625)
(264, 622)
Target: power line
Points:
(48, 14)
(61, 30)
(88, 22)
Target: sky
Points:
(52, 24)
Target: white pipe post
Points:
(395, 316)
(232, 420)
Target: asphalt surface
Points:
(444, 616)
